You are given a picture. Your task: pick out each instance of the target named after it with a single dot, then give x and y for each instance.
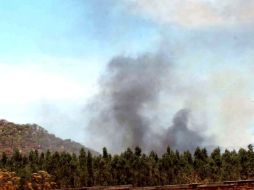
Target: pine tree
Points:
(215, 163)
(90, 172)
(83, 175)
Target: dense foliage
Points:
(38, 181)
(134, 167)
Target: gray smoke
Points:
(129, 90)
(179, 136)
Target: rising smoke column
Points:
(127, 89)
(179, 136)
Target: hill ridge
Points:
(27, 137)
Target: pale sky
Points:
(52, 53)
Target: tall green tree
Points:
(90, 172)
(83, 175)
(201, 163)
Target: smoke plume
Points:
(179, 136)
(124, 111)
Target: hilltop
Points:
(27, 137)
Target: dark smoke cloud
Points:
(128, 88)
(179, 136)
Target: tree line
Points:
(133, 167)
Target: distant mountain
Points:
(29, 137)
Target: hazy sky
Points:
(52, 53)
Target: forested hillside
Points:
(29, 149)
(29, 137)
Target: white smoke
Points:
(195, 12)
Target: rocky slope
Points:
(29, 137)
